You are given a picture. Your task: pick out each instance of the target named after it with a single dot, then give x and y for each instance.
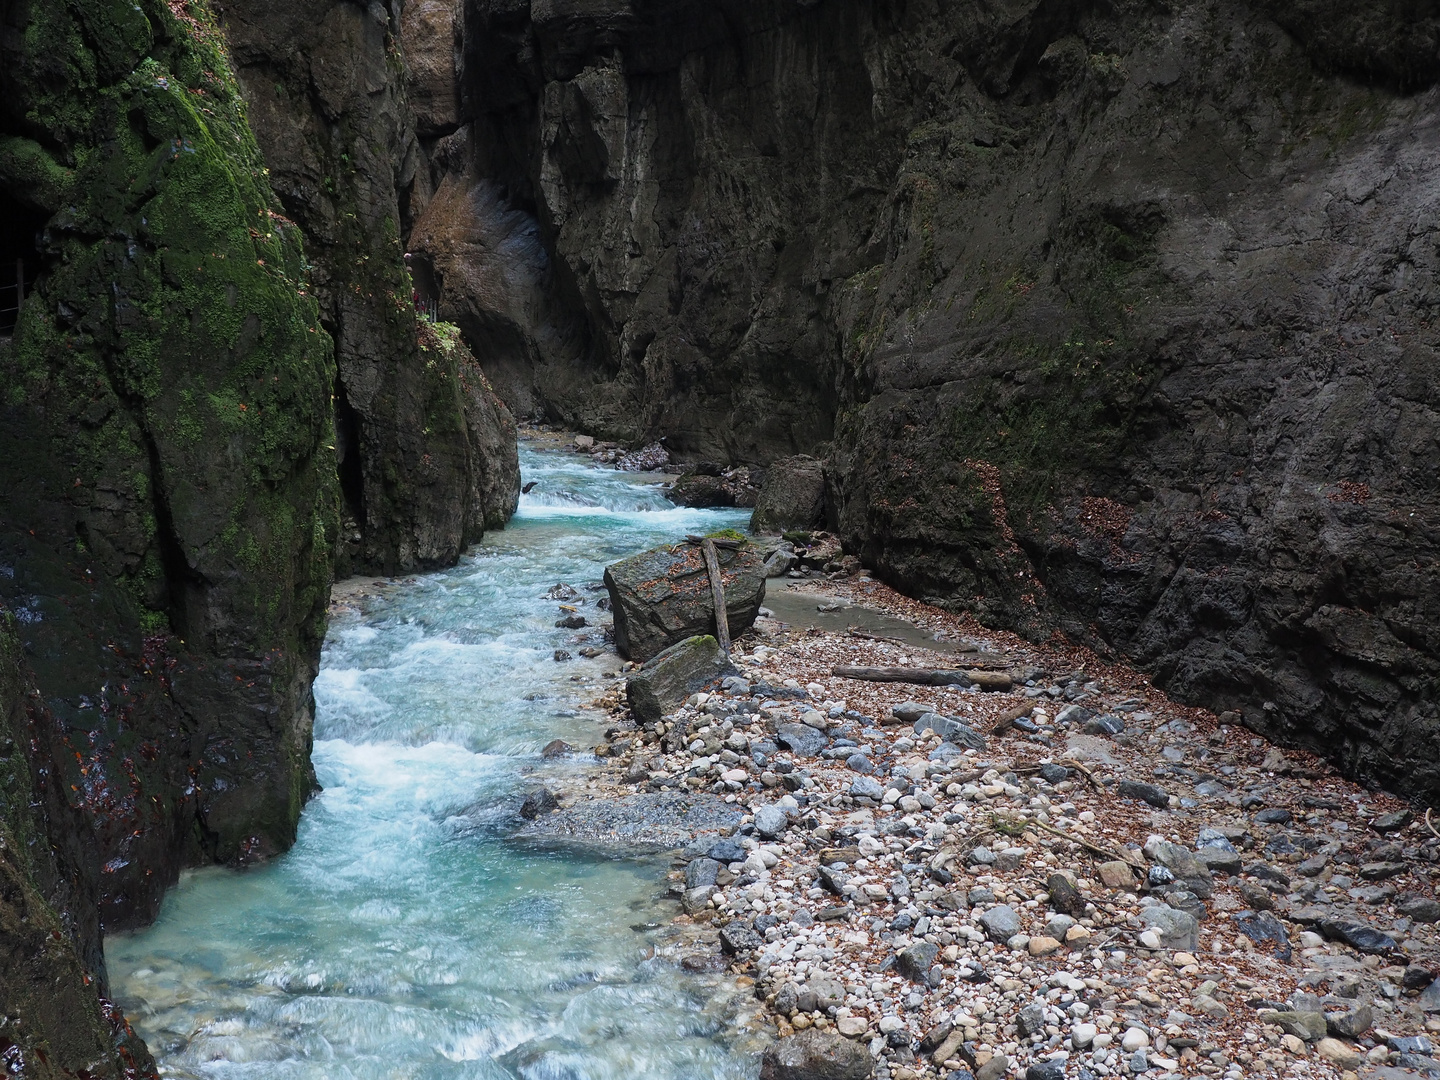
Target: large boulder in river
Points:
(707, 484)
(663, 682)
(793, 496)
(816, 1055)
(662, 596)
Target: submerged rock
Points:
(663, 596)
(538, 802)
(666, 680)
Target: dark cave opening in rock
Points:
(20, 228)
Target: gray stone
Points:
(538, 802)
(1309, 1026)
(1410, 1044)
(951, 730)
(1147, 793)
(829, 993)
(815, 1055)
(1425, 909)
(867, 787)
(1350, 1025)
(996, 1068)
(1001, 923)
(727, 851)
(1178, 930)
(1054, 774)
(801, 739)
(1264, 929)
(697, 899)
(1218, 859)
(1358, 936)
(1103, 725)
(1030, 1020)
(915, 962)
(910, 711)
(792, 497)
(701, 872)
(859, 763)
(663, 682)
(1429, 999)
(661, 597)
(771, 821)
(1393, 821)
(737, 939)
(1053, 1069)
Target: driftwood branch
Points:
(1427, 823)
(717, 592)
(918, 676)
(985, 680)
(1006, 720)
(718, 541)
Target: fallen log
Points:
(718, 541)
(918, 676)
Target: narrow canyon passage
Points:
(405, 935)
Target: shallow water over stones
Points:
(405, 935)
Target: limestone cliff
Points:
(1113, 320)
(426, 464)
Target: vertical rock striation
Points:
(1108, 320)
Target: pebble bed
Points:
(1081, 878)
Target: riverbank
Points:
(1084, 874)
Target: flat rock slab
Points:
(655, 822)
(661, 597)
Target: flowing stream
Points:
(405, 935)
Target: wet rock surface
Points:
(793, 496)
(57, 1022)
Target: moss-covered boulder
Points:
(169, 501)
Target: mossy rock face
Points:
(170, 503)
(428, 461)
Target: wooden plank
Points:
(717, 592)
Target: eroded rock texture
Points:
(427, 456)
(52, 969)
(1109, 319)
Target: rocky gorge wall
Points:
(186, 467)
(427, 458)
(1110, 319)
